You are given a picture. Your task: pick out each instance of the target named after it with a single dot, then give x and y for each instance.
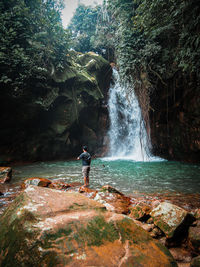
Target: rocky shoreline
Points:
(174, 228)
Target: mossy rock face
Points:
(140, 212)
(169, 218)
(174, 118)
(49, 122)
(45, 227)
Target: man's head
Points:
(85, 148)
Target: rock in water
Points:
(169, 218)
(37, 181)
(5, 174)
(45, 227)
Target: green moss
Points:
(132, 232)
(17, 244)
(164, 227)
(53, 236)
(97, 232)
(50, 259)
(167, 253)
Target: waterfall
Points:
(127, 133)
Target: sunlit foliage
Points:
(33, 43)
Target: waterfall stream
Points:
(127, 133)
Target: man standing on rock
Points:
(86, 160)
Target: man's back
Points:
(86, 158)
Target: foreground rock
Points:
(140, 211)
(43, 182)
(37, 181)
(113, 200)
(45, 227)
(170, 219)
(5, 174)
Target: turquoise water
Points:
(125, 175)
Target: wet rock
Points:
(59, 185)
(169, 218)
(195, 262)
(148, 227)
(140, 211)
(181, 255)
(5, 174)
(197, 214)
(150, 220)
(155, 203)
(88, 192)
(145, 226)
(37, 181)
(110, 189)
(43, 182)
(194, 239)
(113, 200)
(156, 233)
(45, 227)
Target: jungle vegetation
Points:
(157, 37)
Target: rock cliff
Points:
(175, 118)
(54, 122)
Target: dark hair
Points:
(85, 148)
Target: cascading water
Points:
(127, 133)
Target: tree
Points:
(33, 43)
(83, 27)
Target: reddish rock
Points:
(88, 192)
(156, 233)
(145, 226)
(140, 211)
(113, 200)
(148, 227)
(59, 185)
(194, 239)
(110, 189)
(75, 184)
(5, 174)
(46, 227)
(155, 203)
(181, 255)
(37, 181)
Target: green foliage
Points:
(83, 27)
(97, 232)
(33, 43)
(92, 30)
(174, 25)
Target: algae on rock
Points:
(45, 227)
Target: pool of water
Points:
(173, 181)
(125, 175)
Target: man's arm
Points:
(80, 157)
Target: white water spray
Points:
(127, 133)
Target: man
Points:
(86, 160)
